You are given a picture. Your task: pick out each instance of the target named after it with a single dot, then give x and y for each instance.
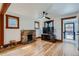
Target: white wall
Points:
(40, 31)
(25, 24)
(57, 27)
(15, 34)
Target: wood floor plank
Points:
(44, 48)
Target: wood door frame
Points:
(1, 29)
(62, 19)
(4, 8)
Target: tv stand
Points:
(48, 37)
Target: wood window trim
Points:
(62, 19)
(7, 18)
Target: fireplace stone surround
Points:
(28, 36)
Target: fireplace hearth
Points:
(28, 36)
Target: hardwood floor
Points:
(43, 48)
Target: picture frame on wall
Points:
(36, 25)
(12, 22)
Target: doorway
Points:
(69, 28)
(69, 31)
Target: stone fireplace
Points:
(28, 36)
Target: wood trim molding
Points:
(4, 8)
(62, 19)
(66, 18)
(1, 29)
(38, 37)
(58, 40)
(9, 45)
(61, 30)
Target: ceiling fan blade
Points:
(47, 17)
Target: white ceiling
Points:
(34, 10)
(63, 9)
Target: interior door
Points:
(69, 31)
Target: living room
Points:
(19, 21)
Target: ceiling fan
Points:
(44, 14)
